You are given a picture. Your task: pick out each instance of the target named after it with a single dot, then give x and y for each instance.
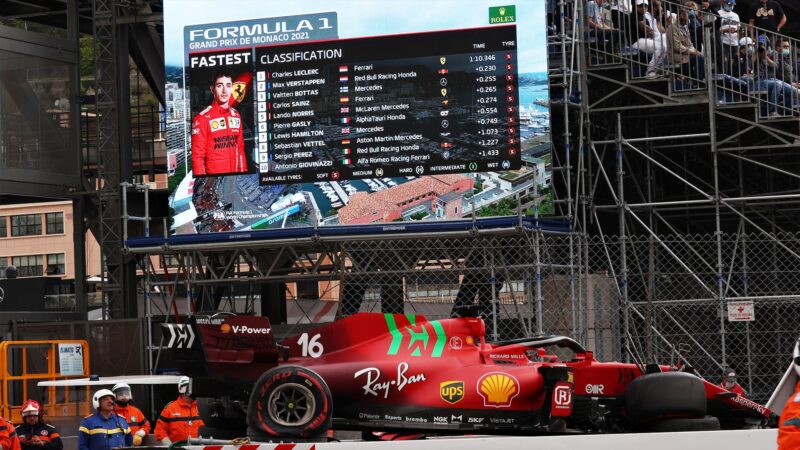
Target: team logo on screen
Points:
(218, 124)
(239, 91)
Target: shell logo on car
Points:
(498, 389)
(225, 328)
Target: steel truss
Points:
(675, 176)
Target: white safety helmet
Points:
(100, 394)
(122, 391)
(796, 357)
(185, 386)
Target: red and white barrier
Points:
(700, 440)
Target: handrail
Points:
(737, 78)
(17, 376)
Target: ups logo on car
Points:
(451, 391)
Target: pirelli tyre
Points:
(657, 396)
(707, 423)
(290, 401)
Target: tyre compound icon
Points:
(506, 164)
(473, 166)
(335, 175)
(379, 172)
(419, 170)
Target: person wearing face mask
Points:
(787, 78)
(767, 14)
(139, 424)
(695, 24)
(681, 50)
(729, 30)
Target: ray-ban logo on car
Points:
(452, 391)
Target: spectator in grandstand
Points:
(765, 73)
(607, 38)
(8, 437)
(729, 382)
(34, 433)
(729, 29)
(687, 59)
(786, 76)
(218, 133)
(695, 24)
(768, 15)
(620, 15)
(743, 66)
(654, 20)
(642, 38)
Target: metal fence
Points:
(664, 299)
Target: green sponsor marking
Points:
(397, 337)
(414, 336)
(441, 338)
(502, 14)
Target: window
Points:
(3, 265)
(55, 264)
(308, 290)
(28, 266)
(3, 229)
(55, 223)
(27, 225)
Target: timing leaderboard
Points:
(388, 106)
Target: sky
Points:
(358, 18)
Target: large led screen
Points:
(308, 113)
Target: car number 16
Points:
(312, 347)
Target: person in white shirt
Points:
(652, 39)
(607, 38)
(729, 31)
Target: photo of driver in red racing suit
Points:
(218, 134)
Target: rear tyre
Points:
(706, 423)
(290, 401)
(657, 396)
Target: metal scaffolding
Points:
(674, 174)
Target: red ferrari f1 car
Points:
(392, 371)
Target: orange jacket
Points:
(789, 425)
(178, 421)
(8, 437)
(134, 416)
